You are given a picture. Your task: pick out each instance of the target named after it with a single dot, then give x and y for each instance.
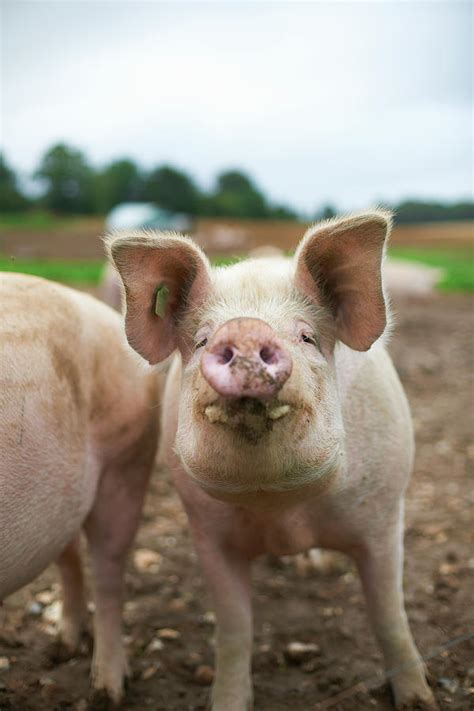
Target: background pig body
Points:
(324, 461)
(78, 439)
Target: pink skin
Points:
(314, 449)
(246, 359)
(78, 436)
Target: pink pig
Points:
(78, 435)
(284, 422)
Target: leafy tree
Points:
(327, 212)
(118, 182)
(69, 180)
(11, 199)
(412, 211)
(172, 190)
(236, 196)
(233, 181)
(282, 212)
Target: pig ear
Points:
(164, 275)
(338, 264)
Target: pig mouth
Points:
(249, 417)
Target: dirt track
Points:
(433, 352)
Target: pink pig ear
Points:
(164, 275)
(338, 264)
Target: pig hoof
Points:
(99, 700)
(109, 677)
(418, 705)
(424, 701)
(228, 701)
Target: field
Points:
(432, 348)
(71, 250)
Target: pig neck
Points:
(260, 522)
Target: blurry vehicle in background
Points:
(146, 215)
(136, 216)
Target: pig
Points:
(284, 422)
(78, 435)
(110, 290)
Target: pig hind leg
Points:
(110, 530)
(380, 565)
(74, 612)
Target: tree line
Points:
(70, 185)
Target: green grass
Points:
(86, 272)
(458, 264)
(34, 220)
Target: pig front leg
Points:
(227, 575)
(74, 612)
(380, 565)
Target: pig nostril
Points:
(226, 355)
(268, 355)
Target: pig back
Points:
(53, 344)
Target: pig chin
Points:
(243, 448)
(245, 480)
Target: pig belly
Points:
(45, 494)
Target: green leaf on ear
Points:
(161, 298)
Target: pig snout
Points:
(246, 359)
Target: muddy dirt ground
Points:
(432, 348)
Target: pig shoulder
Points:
(377, 420)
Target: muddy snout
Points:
(246, 359)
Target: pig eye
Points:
(202, 343)
(308, 339)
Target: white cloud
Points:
(325, 101)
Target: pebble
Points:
(46, 681)
(52, 613)
(168, 633)
(298, 652)
(193, 660)
(4, 663)
(146, 560)
(450, 685)
(35, 609)
(150, 671)
(156, 645)
(46, 597)
(209, 618)
(204, 675)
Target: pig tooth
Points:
(214, 413)
(279, 411)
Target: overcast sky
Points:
(347, 102)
